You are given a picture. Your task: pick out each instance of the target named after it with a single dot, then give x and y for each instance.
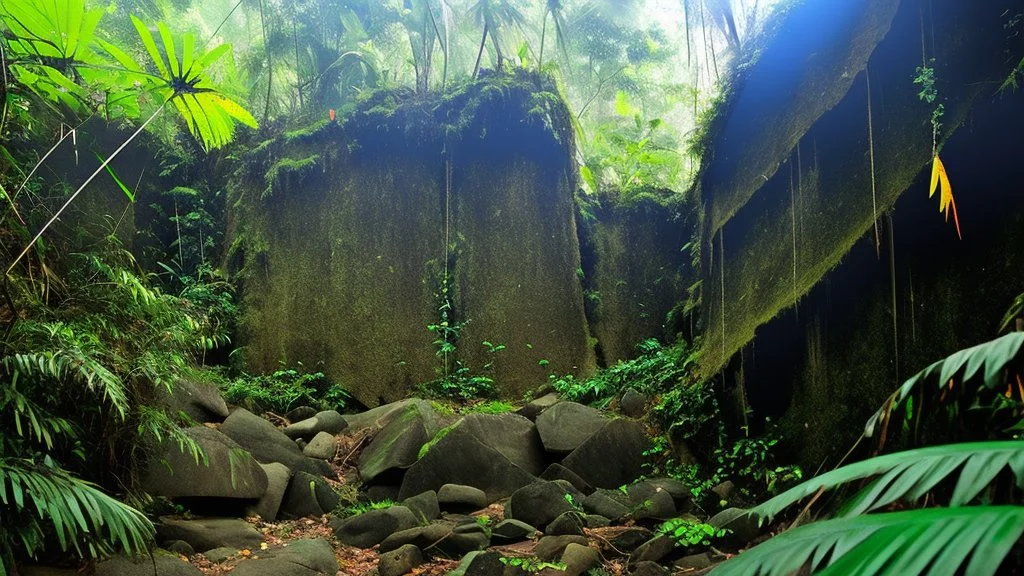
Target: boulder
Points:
(558, 472)
(579, 559)
(534, 407)
(300, 413)
(400, 561)
(514, 436)
(480, 564)
(742, 526)
(308, 495)
(230, 471)
(680, 493)
(605, 504)
(378, 417)
(218, 555)
(459, 543)
(653, 550)
(208, 533)
(160, 564)
(624, 540)
(567, 523)
(693, 562)
(613, 456)
(397, 445)
(461, 498)
(566, 425)
(200, 401)
(512, 530)
(323, 446)
(633, 403)
(327, 421)
(538, 504)
(425, 506)
(180, 547)
(268, 444)
(460, 458)
(371, 528)
(550, 548)
(306, 557)
(596, 521)
(278, 478)
(422, 536)
(656, 505)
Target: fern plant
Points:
(973, 535)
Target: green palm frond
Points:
(986, 366)
(909, 475)
(209, 115)
(930, 541)
(75, 512)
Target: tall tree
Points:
(495, 16)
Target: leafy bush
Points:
(689, 532)
(286, 389)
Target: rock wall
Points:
(342, 233)
(637, 272)
(767, 246)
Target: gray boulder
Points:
(607, 503)
(398, 444)
(514, 436)
(230, 471)
(534, 407)
(421, 536)
(653, 550)
(208, 533)
(558, 472)
(550, 548)
(567, 523)
(566, 425)
(327, 421)
(371, 528)
(460, 458)
(538, 504)
(481, 563)
(461, 498)
(308, 495)
(578, 559)
(400, 561)
(648, 568)
(633, 403)
(378, 417)
(278, 478)
(161, 564)
(425, 506)
(611, 457)
(306, 557)
(200, 401)
(268, 444)
(512, 530)
(323, 446)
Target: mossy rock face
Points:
(343, 232)
(768, 246)
(636, 271)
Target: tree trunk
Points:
(480, 53)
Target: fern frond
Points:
(930, 541)
(80, 516)
(910, 475)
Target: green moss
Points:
(491, 407)
(306, 132)
(287, 172)
(437, 438)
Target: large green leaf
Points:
(909, 475)
(934, 541)
(985, 366)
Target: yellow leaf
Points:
(941, 179)
(936, 166)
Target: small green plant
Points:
(286, 389)
(460, 383)
(573, 503)
(490, 407)
(532, 565)
(688, 533)
(358, 508)
(437, 438)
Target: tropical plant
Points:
(285, 389)
(686, 532)
(972, 540)
(556, 10)
(496, 17)
(974, 533)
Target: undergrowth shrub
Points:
(286, 389)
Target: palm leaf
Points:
(934, 541)
(987, 365)
(909, 475)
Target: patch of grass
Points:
(489, 407)
(437, 438)
(357, 508)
